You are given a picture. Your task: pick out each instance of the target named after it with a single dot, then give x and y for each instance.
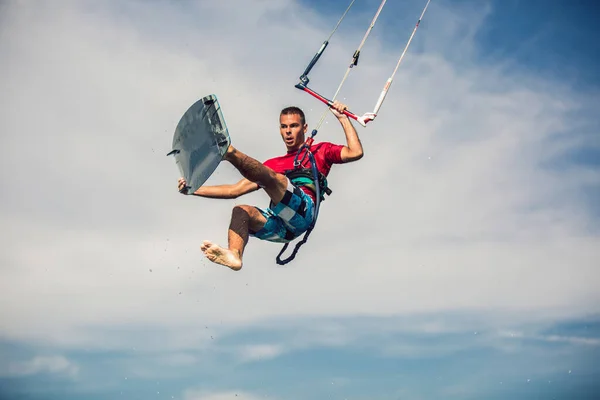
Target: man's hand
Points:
(181, 186)
(338, 110)
(353, 150)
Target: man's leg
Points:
(273, 183)
(243, 219)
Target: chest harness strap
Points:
(315, 181)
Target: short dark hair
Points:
(294, 110)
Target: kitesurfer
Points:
(291, 190)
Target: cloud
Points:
(575, 340)
(192, 394)
(572, 340)
(56, 365)
(260, 352)
(453, 206)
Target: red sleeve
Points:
(333, 153)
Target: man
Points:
(292, 208)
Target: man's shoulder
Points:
(332, 149)
(325, 145)
(331, 152)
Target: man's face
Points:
(292, 130)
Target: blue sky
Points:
(556, 39)
(475, 278)
(461, 365)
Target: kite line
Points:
(369, 116)
(321, 184)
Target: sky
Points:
(457, 259)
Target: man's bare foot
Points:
(219, 255)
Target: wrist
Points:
(344, 119)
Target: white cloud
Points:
(192, 394)
(448, 210)
(58, 365)
(572, 340)
(259, 352)
(575, 340)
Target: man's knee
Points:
(248, 214)
(273, 179)
(242, 213)
(282, 181)
(242, 209)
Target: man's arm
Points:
(227, 191)
(353, 151)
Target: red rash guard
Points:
(326, 154)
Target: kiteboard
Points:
(200, 142)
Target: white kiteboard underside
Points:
(200, 142)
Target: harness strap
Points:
(295, 251)
(304, 177)
(315, 178)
